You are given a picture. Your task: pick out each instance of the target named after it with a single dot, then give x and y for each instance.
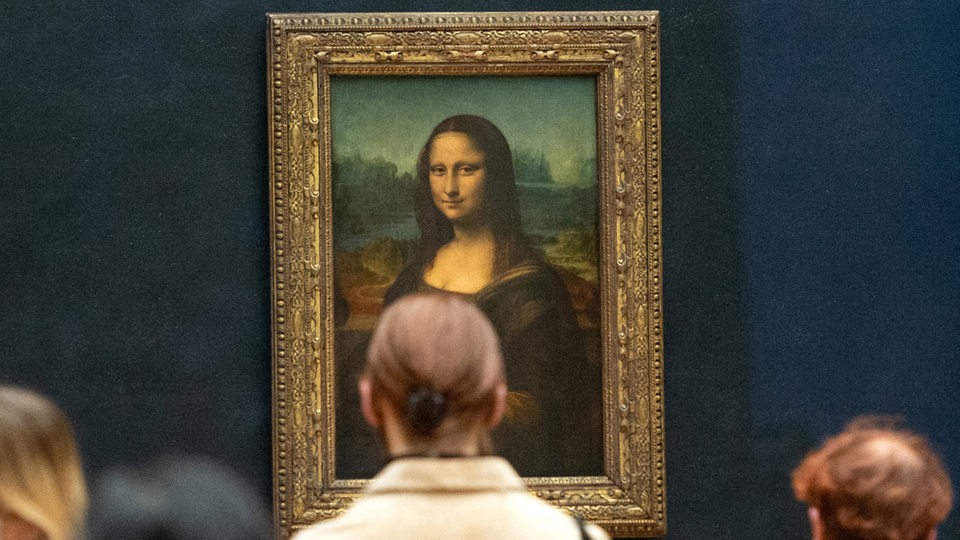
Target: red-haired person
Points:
(433, 388)
(874, 481)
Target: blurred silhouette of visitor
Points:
(177, 498)
(433, 388)
(42, 491)
(874, 481)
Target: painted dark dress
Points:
(553, 426)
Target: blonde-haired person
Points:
(434, 387)
(874, 481)
(42, 491)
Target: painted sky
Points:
(391, 117)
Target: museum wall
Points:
(811, 226)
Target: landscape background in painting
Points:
(379, 125)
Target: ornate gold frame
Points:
(621, 50)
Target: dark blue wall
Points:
(848, 127)
(811, 169)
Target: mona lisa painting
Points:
(508, 159)
(513, 228)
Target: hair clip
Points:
(425, 410)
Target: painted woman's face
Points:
(457, 177)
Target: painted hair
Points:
(500, 205)
(436, 358)
(41, 479)
(875, 481)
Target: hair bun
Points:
(425, 410)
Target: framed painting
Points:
(356, 103)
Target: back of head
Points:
(41, 479)
(874, 481)
(436, 359)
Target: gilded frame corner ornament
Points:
(621, 51)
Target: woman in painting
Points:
(471, 245)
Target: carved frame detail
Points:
(621, 50)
